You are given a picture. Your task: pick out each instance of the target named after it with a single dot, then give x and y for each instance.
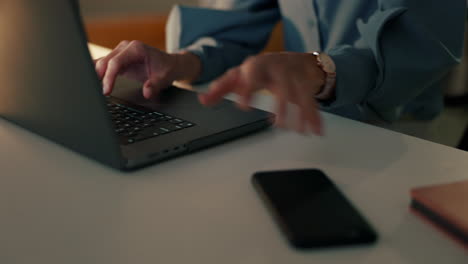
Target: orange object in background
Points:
(150, 29)
(109, 31)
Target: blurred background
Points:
(110, 21)
(99, 8)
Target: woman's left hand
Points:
(291, 77)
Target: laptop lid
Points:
(48, 81)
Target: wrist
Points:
(187, 67)
(327, 65)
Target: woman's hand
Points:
(291, 77)
(152, 67)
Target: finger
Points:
(244, 101)
(281, 107)
(147, 90)
(300, 122)
(96, 60)
(251, 80)
(281, 111)
(219, 88)
(153, 86)
(319, 130)
(116, 65)
(310, 116)
(102, 63)
(245, 91)
(280, 88)
(98, 70)
(158, 78)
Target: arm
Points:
(405, 47)
(221, 39)
(218, 39)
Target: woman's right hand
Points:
(152, 67)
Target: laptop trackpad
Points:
(172, 99)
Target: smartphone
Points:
(310, 209)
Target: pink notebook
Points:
(446, 205)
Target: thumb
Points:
(152, 87)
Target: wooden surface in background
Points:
(150, 29)
(108, 32)
(276, 42)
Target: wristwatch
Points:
(326, 63)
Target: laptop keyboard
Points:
(133, 125)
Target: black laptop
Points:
(49, 86)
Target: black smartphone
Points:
(310, 209)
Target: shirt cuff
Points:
(356, 73)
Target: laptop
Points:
(50, 87)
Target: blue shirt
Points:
(390, 54)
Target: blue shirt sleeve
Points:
(222, 39)
(402, 51)
(405, 47)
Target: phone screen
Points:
(310, 209)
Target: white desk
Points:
(59, 207)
